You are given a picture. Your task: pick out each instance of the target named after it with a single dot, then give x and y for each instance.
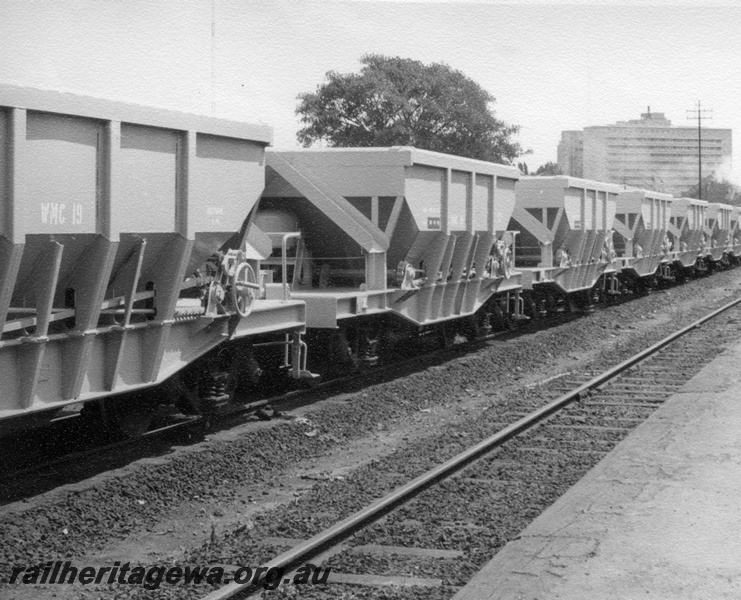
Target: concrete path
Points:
(658, 517)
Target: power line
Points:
(698, 113)
(213, 51)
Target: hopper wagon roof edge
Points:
(75, 105)
(406, 156)
(695, 201)
(459, 163)
(720, 205)
(650, 193)
(565, 181)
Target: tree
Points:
(714, 190)
(399, 101)
(549, 168)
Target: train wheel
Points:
(182, 391)
(591, 297)
(499, 319)
(342, 353)
(445, 334)
(395, 340)
(332, 354)
(573, 303)
(531, 306)
(129, 417)
(388, 343)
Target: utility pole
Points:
(698, 113)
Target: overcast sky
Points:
(550, 66)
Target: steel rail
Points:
(332, 536)
(277, 400)
(248, 407)
(98, 450)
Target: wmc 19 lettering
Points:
(59, 213)
(150, 578)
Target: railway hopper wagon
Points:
(642, 241)
(387, 244)
(718, 234)
(734, 236)
(686, 228)
(565, 249)
(122, 262)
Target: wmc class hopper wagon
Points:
(686, 228)
(565, 248)
(718, 240)
(122, 261)
(642, 241)
(387, 243)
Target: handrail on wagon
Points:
(57, 314)
(109, 306)
(118, 300)
(284, 260)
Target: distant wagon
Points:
(734, 235)
(565, 244)
(718, 233)
(686, 230)
(642, 240)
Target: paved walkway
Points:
(658, 517)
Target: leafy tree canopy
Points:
(714, 190)
(549, 168)
(403, 102)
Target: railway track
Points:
(429, 535)
(268, 462)
(41, 457)
(38, 464)
(37, 453)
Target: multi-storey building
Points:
(646, 153)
